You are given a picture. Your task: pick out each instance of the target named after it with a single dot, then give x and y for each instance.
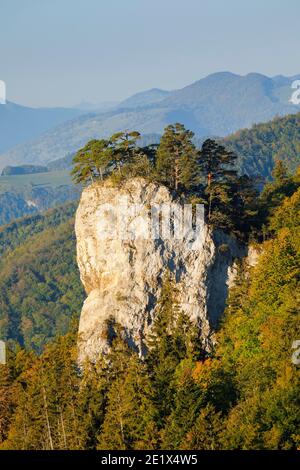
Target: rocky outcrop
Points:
(122, 276)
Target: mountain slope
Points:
(40, 290)
(224, 102)
(19, 124)
(144, 98)
(72, 135)
(219, 104)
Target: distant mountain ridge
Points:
(21, 123)
(217, 105)
(145, 98)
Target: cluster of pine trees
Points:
(243, 395)
(205, 175)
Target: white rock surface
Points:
(123, 277)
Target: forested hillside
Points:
(40, 290)
(16, 233)
(244, 395)
(259, 147)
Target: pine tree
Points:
(91, 401)
(47, 416)
(241, 208)
(216, 162)
(172, 339)
(216, 165)
(280, 173)
(176, 160)
(124, 147)
(92, 161)
(129, 416)
(185, 408)
(206, 432)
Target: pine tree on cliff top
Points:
(92, 161)
(176, 160)
(216, 165)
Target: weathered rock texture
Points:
(123, 277)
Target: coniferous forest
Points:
(150, 233)
(243, 394)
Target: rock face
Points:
(122, 276)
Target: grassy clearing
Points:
(53, 178)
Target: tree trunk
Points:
(47, 418)
(121, 421)
(176, 170)
(63, 429)
(209, 177)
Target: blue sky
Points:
(62, 52)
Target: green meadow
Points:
(53, 178)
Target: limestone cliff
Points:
(122, 277)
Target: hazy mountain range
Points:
(20, 123)
(216, 105)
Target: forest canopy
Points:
(242, 395)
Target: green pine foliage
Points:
(207, 175)
(129, 421)
(176, 160)
(92, 161)
(172, 339)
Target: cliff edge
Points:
(122, 275)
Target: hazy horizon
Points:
(110, 103)
(64, 52)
